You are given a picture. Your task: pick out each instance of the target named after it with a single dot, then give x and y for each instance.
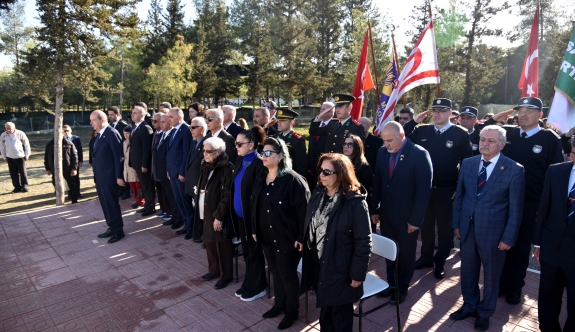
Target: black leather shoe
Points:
(513, 297)
(188, 236)
(502, 291)
(148, 213)
(200, 240)
(177, 225)
(461, 315)
(386, 293)
(108, 233)
(182, 231)
(139, 210)
(116, 238)
(25, 190)
(421, 264)
(222, 283)
(209, 276)
(402, 296)
(288, 320)
(168, 223)
(439, 273)
(135, 206)
(273, 312)
(481, 324)
(203, 246)
(16, 190)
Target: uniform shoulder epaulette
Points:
(356, 122)
(296, 135)
(553, 132)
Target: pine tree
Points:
(14, 34)
(173, 22)
(154, 41)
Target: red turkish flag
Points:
(363, 81)
(529, 81)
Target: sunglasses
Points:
(66, 131)
(194, 127)
(240, 144)
(209, 119)
(347, 144)
(209, 151)
(268, 153)
(325, 172)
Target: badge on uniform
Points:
(537, 148)
(449, 144)
(474, 147)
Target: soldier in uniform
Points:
(535, 148)
(294, 141)
(447, 145)
(337, 131)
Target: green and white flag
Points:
(562, 111)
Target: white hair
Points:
(10, 124)
(502, 132)
(329, 103)
(232, 110)
(219, 114)
(216, 143)
(201, 121)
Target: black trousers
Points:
(73, 185)
(439, 209)
(147, 187)
(17, 169)
(283, 266)
(108, 197)
(407, 243)
(338, 318)
(552, 282)
(220, 259)
(162, 198)
(517, 259)
(173, 211)
(255, 280)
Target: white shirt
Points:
(217, 133)
(442, 130)
(102, 130)
(226, 127)
(136, 125)
(530, 132)
(14, 146)
(164, 136)
(324, 123)
(116, 123)
(491, 166)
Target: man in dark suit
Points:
(401, 190)
(116, 122)
(161, 174)
(229, 117)
(80, 152)
(194, 159)
(108, 165)
(141, 156)
(214, 119)
(487, 213)
(554, 243)
(262, 119)
(178, 148)
(159, 168)
(317, 143)
(372, 143)
(69, 166)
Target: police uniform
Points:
(294, 142)
(335, 131)
(447, 148)
(535, 150)
(474, 135)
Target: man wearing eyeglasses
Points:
(215, 122)
(535, 148)
(198, 128)
(447, 145)
(78, 144)
(294, 141)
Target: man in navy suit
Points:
(401, 190)
(178, 148)
(554, 242)
(229, 117)
(487, 214)
(141, 156)
(108, 165)
(194, 159)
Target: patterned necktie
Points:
(133, 130)
(571, 203)
(155, 140)
(172, 139)
(321, 125)
(392, 164)
(482, 177)
(96, 140)
(523, 135)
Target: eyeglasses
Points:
(268, 153)
(66, 131)
(209, 119)
(325, 172)
(527, 111)
(209, 151)
(239, 144)
(347, 144)
(266, 106)
(194, 127)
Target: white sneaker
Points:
(255, 297)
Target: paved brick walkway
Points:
(56, 276)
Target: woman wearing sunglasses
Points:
(248, 165)
(278, 206)
(212, 217)
(353, 149)
(337, 242)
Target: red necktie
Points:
(321, 125)
(392, 164)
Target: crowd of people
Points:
(499, 184)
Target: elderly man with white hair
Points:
(215, 122)
(15, 149)
(229, 121)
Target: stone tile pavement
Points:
(55, 275)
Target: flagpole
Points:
(396, 59)
(431, 18)
(374, 66)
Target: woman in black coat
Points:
(278, 206)
(213, 211)
(337, 242)
(353, 148)
(248, 165)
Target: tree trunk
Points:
(122, 89)
(58, 119)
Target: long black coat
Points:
(346, 252)
(69, 157)
(216, 202)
